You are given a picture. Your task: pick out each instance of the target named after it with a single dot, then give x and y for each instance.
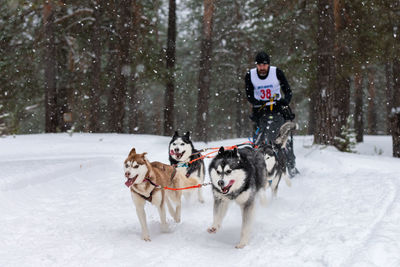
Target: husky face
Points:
(269, 157)
(135, 168)
(226, 173)
(180, 147)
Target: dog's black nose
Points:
(221, 183)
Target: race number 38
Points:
(265, 93)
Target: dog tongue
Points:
(171, 152)
(129, 182)
(226, 188)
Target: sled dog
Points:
(275, 158)
(236, 175)
(181, 152)
(146, 181)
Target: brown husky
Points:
(146, 181)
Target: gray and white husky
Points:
(275, 158)
(236, 175)
(181, 153)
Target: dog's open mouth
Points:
(225, 189)
(179, 155)
(176, 154)
(130, 181)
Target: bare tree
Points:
(170, 79)
(313, 94)
(123, 68)
(325, 106)
(205, 71)
(358, 109)
(96, 88)
(50, 68)
(372, 116)
(395, 113)
(342, 81)
(388, 94)
(135, 117)
(240, 98)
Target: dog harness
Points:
(150, 198)
(147, 179)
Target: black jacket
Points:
(285, 88)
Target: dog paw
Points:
(240, 245)
(146, 238)
(212, 230)
(177, 219)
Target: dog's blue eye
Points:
(126, 166)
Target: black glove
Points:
(283, 102)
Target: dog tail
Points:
(284, 133)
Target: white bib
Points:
(268, 88)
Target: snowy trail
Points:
(63, 203)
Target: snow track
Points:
(63, 203)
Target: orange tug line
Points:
(183, 188)
(202, 157)
(216, 150)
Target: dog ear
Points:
(187, 135)
(221, 150)
(144, 155)
(133, 151)
(150, 172)
(235, 152)
(175, 134)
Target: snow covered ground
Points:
(63, 202)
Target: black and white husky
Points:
(181, 153)
(236, 175)
(275, 158)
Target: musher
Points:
(269, 93)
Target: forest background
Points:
(153, 67)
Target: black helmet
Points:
(262, 58)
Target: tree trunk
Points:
(170, 79)
(96, 89)
(372, 116)
(240, 101)
(395, 113)
(325, 109)
(358, 109)
(50, 68)
(135, 117)
(64, 112)
(342, 82)
(312, 108)
(205, 72)
(123, 70)
(388, 94)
